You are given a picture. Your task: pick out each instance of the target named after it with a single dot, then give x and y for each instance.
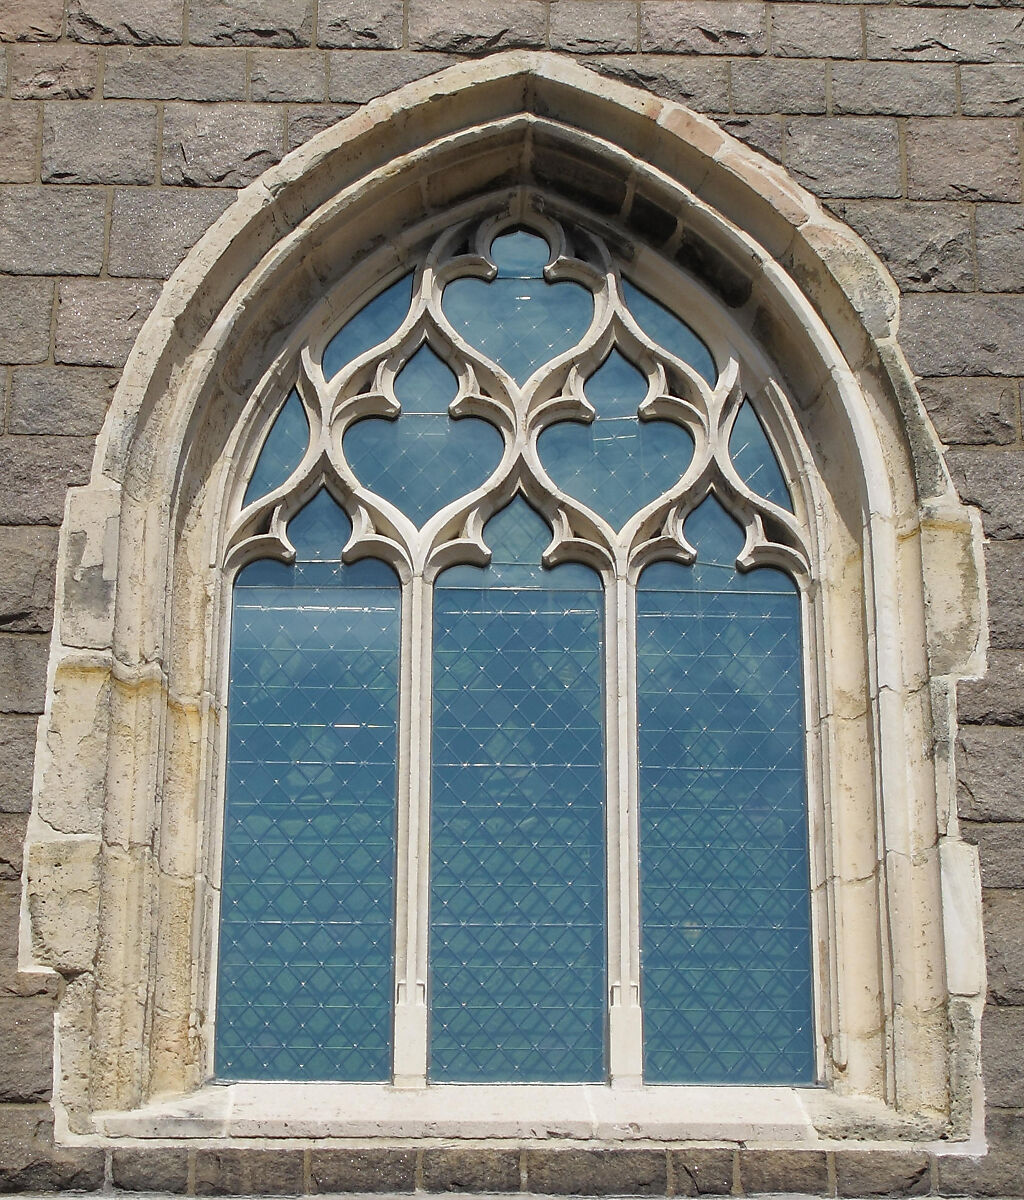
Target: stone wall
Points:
(125, 128)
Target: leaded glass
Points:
(517, 941)
(519, 319)
(425, 459)
(617, 463)
(374, 323)
(754, 459)
(305, 968)
(282, 451)
(725, 934)
(668, 331)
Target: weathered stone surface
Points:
(998, 698)
(26, 1034)
(99, 143)
(219, 147)
(28, 558)
(360, 24)
(25, 308)
(992, 91)
(464, 27)
(808, 30)
(154, 1169)
(963, 160)
(995, 483)
(61, 72)
(1001, 851)
(944, 35)
(845, 156)
(98, 320)
(174, 74)
(963, 335)
(989, 767)
(51, 230)
(926, 246)
(763, 133)
(308, 120)
(10, 910)
(151, 231)
(702, 84)
(1000, 238)
(1004, 571)
(64, 401)
(250, 22)
(479, 1171)
(145, 22)
(894, 89)
(702, 1172)
(593, 26)
(17, 748)
(384, 1170)
(971, 411)
(12, 843)
(883, 1173)
(1003, 910)
(19, 134)
(358, 75)
(597, 1172)
(30, 1162)
(31, 20)
(278, 75)
(997, 1173)
(703, 27)
(768, 86)
(784, 1171)
(22, 672)
(242, 1172)
(1002, 1035)
(37, 471)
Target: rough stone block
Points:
(63, 401)
(951, 159)
(99, 143)
(814, 30)
(308, 120)
(1004, 571)
(98, 320)
(1001, 852)
(883, 1173)
(597, 1172)
(894, 89)
(360, 24)
(250, 22)
(478, 1171)
(998, 698)
(944, 34)
(845, 156)
(762, 133)
(17, 750)
(1003, 911)
(384, 1170)
(26, 1034)
(705, 27)
(593, 26)
(279, 75)
(30, 1162)
(12, 844)
(466, 27)
(769, 86)
(995, 483)
(702, 84)
(31, 20)
(971, 411)
(155, 1169)
(151, 231)
(1000, 239)
(19, 138)
(51, 230)
(963, 335)
(174, 74)
(240, 1172)
(61, 72)
(702, 1172)
(22, 671)
(784, 1171)
(358, 75)
(28, 560)
(25, 308)
(997, 1173)
(37, 471)
(10, 916)
(926, 246)
(989, 767)
(141, 22)
(219, 147)
(990, 91)
(1002, 1035)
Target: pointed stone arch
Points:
(121, 867)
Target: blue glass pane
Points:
(519, 320)
(282, 451)
(425, 459)
(755, 460)
(668, 331)
(517, 936)
(725, 934)
(616, 464)
(373, 324)
(306, 942)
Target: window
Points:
(516, 785)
